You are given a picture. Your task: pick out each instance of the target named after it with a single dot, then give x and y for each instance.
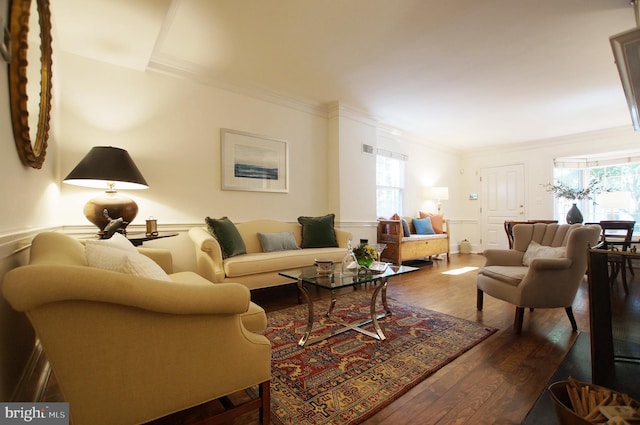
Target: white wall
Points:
(171, 128)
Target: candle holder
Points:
(152, 227)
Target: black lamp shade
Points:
(106, 167)
(106, 164)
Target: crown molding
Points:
(168, 65)
(611, 134)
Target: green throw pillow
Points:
(227, 235)
(318, 232)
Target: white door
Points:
(502, 199)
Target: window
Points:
(389, 183)
(621, 202)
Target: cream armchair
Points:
(128, 349)
(543, 270)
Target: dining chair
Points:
(617, 236)
(508, 227)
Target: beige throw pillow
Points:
(535, 250)
(122, 260)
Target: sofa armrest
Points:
(161, 256)
(390, 231)
(343, 237)
(550, 264)
(208, 254)
(503, 257)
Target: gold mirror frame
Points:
(31, 152)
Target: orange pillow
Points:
(437, 221)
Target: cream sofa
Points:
(128, 349)
(258, 269)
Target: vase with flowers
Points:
(564, 191)
(365, 255)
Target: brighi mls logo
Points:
(35, 413)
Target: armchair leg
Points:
(264, 392)
(202, 414)
(572, 319)
(517, 323)
(480, 299)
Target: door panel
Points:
(502, 200)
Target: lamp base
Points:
(116, 206)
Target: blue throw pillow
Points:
(423, 226)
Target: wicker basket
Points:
(562, 404)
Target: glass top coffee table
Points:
(309, 277)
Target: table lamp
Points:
(612, 201)
(440, 194)
(107, 167)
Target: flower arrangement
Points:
(562, 190)
(365, 254)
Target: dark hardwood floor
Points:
(496, 382)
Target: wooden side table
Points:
(138, 240)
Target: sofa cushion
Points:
(227, 235)
(318, 232)
(535, 250)
(507, 274)
(269, 262)
(423, 226)
(280, 241)
(106, 257)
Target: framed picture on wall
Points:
(253, 162)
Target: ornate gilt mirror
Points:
(30, 78)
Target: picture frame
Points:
(252, 162)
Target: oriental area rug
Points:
(349, 377)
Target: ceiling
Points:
(464, 74)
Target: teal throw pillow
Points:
(423, 226)
(227, 235)
(318, 232)
(281, 241)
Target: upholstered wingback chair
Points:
(128, 349)
(543, 270)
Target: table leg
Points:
(384, 297)
(374, 317)
(332, 304)
(307, 298)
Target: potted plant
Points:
(564, 191)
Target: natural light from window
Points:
(390, 169)
(461, 270)
(619, 176)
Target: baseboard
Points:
(33, 382)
